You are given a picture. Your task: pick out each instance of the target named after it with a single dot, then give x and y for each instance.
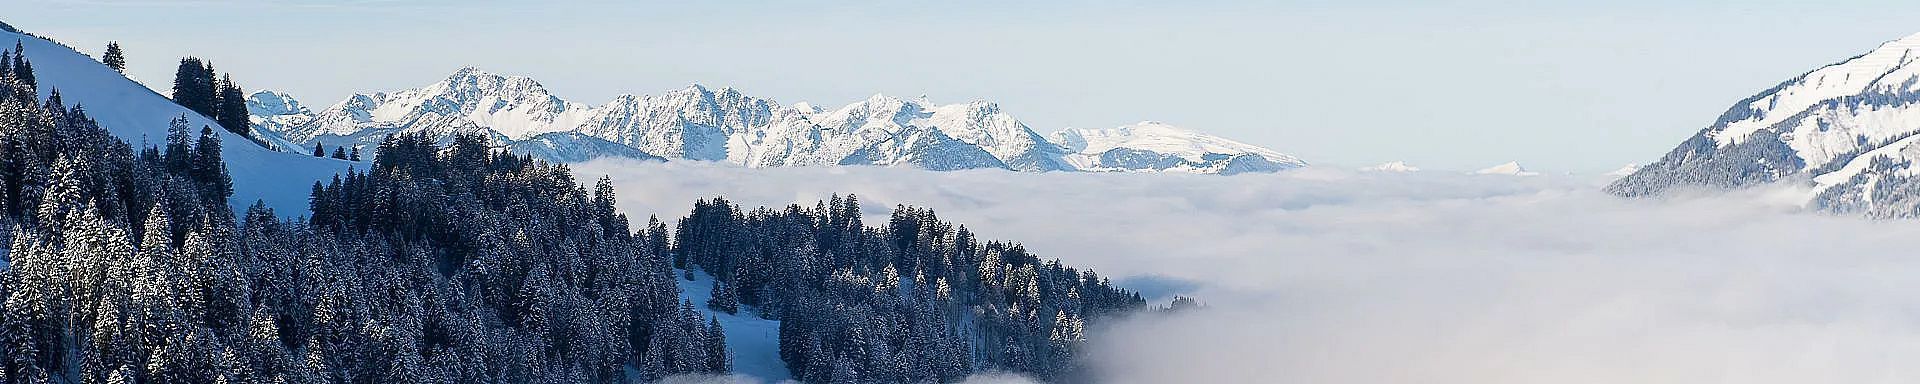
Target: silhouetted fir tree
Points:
(720, 361)
(194, 87)
(21, 68)
(114, 57)
(319, 150)
(231, 111)
(339, 153)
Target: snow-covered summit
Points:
(1852, 127)
(726, 125)
(274, 103)
(1510, 168)
(1393, 167)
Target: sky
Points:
(1460, 84)
(1341, 276)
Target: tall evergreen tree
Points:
(194, 86)
(231, 111)
(114, 58)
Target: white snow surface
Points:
(753, 341)
(140, 116)
(726, 125)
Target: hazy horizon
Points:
(1559, 88)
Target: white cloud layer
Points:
(1322, 276)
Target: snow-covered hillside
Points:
(1849, 127)
(726, 125)
(138, 115)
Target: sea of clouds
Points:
(1326, 276)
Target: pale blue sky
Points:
(1442, 84)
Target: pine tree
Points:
(354, 155)
(23, 68)
(194, 86)
(114, 58)
(231, 111)
(209, 170)
(720, 362)
(319, 150)
(339, 153)
(724, 297)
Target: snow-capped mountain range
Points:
(1852, 129)
(725, 125)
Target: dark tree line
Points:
(918, 300)
(342, 153)
(197, 87)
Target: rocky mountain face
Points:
(726, 125)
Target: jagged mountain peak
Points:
(271, 102)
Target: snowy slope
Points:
(753, 341)
(726, 125)
(1846, 126)
(1151, 145)
(139, 115)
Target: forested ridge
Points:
(457, 262)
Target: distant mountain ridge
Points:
(726, 125)
(1850, 129)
